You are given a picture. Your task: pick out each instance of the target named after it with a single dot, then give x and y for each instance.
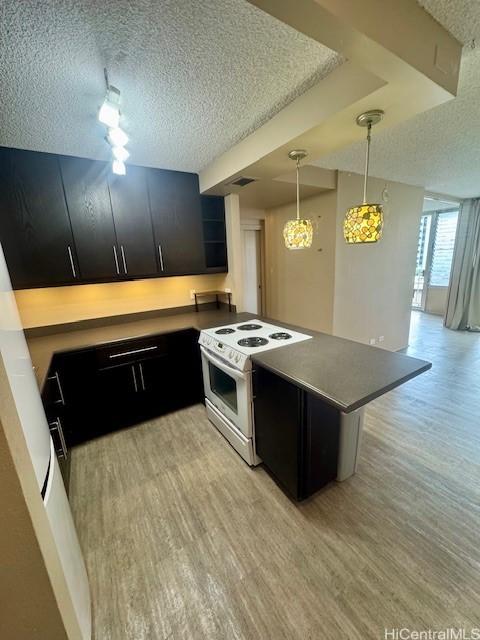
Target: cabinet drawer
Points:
(133, 350)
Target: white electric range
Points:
(227, 375)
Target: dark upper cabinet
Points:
(34, 227)
(67, 220)
(88, 200)
(133, 224)
(177, 221)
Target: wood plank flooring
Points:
(183, 541)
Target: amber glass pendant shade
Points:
(298, 234)
(363, 223)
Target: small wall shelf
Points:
(217, 294)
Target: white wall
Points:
(374, 283)
(249, 213)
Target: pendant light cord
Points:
(367, 161)
(298, 188)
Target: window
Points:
(436, 242)
(442, 249)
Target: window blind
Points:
(443, 245)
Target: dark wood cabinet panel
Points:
(88, 201)
(214, 233)
(296, 434)
(101, 389)
(158, 385)
(278, 419)
(117, 395)
(67, 220)
(34, 226)
(321, 441)
(177, 221)
(133, 224)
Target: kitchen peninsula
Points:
(324, 380)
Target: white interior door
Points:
(252, 274)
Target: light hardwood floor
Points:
(183, 541)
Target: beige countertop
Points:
(43, 347)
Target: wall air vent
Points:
(242, 181)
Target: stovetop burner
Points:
(225, 331)
(249, 327)
(252, 342)
(280, 335)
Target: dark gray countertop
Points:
(42, 347)
(345, 374)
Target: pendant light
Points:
(298, 233)
(109, 115)
(364, 222)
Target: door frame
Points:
(256, 225)
(434, 215)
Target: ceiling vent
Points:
(242, 181)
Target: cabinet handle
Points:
(60, 390)
(141, 376)
(123, 259)
(130, 353)
(56, 425)
(160, 253)
(134, 379)
(70, 255)
(116, 259)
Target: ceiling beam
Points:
(399, 59)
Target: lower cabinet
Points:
(99, 390)
(296, 434)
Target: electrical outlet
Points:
(381, 338)
(227, 290)
(372, 341)
(192, 294)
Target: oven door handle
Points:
(221, 364)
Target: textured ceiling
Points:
(196, 76)
(438, 149)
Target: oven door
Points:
(229, 390)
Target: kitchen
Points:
(136, 389)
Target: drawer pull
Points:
(69, 249)
(124, 260)
(116, 259)
(134, 379)
(131, 353)
(141, 375)
(160, 253)
(60, 390)
(56, 425)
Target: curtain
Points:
(463, 306)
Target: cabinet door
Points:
(322, 428)
(34, 227)
(88, 200)
(157, 385)
(177, 221)
(70, 392)
(118, 397)
(278, 428)
(133, 224)
(172, 379)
